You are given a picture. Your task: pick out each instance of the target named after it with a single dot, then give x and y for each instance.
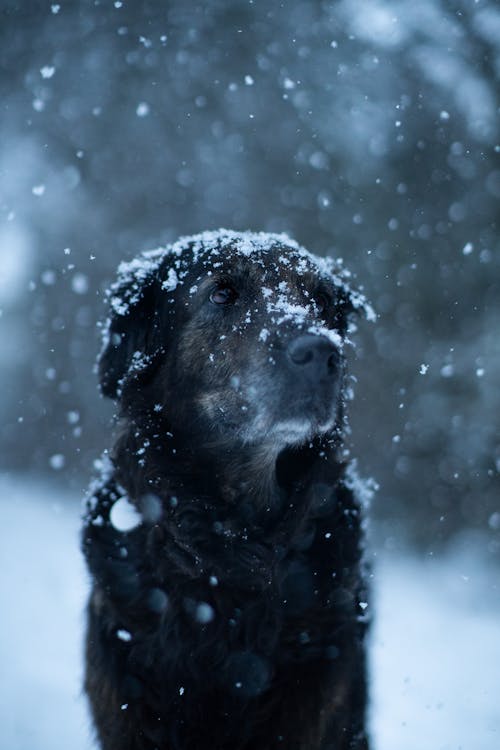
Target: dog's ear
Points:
(132, 335)
(351, 303)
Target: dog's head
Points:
(232, 337)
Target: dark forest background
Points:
(367, 129)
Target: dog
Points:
(224, 537)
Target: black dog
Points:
(228, 609)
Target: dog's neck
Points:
(243, 530)
(166, 462)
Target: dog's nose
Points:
(314, 355)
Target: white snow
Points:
(494, 521)
(363, 488)
(124, 516)
(124, 635)
(447, 371)
(204, 613)
(210, 248)
(142, 109)
(42, 593)
(47, 71)
(38, 105)
(80, 283)
(333, 336)
(17, 251)
(436, 656)
(211, 245)
(48, 277)
(435, 645)
(57, 461)
(171, 281)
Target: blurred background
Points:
(366, 129)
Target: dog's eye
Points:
(224, 295)
(322, 302)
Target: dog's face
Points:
(239, 337)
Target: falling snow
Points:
(142, 109)
(47, 71)
(367, 130)
(124, 516)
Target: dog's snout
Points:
(313, 354)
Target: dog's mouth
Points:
(275, 422)
(292, 432)
(302, 421)
(289, 432)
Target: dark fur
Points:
(261, 526)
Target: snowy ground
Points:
(435, 655)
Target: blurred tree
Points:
(367, 129)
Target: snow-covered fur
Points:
(224, 537)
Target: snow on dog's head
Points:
(224, 307)
(211, 248)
